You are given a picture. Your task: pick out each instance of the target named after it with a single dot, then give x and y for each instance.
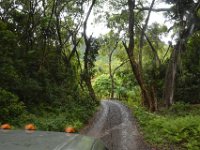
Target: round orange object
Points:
(70, 130)
(6, 126)
(30, 127)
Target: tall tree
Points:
(90, 47)
(147, 98)
(110, 48)
(185, 12)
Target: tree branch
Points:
(87, 41)
(123, 63)
(154, 9)
(143, 34)
(75, 43)
(125, 46)
(153, 49)
(86, 20)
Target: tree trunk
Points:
(169, 84)
(87, 74)
(90, 88)
(111, 74)
(147, 99)
(112, 86)
(187, 28)
(154, 99)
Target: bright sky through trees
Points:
(100, 27)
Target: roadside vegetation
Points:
(42, 80)
(49, 117)
(174, 128)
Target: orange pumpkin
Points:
(6, 126)
(30, 127)
(70, 130)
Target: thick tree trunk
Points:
(147, 98)
(87, 74)
(187, 28)
(90, 88)
(169, 84)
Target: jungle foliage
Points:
(165, 72)
(49, 64)
(41, 80)
(175, 128)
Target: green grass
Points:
(177, 128)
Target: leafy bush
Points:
(102, 86)
(184, 131)
(169, 131)
(180, 109)
(58, 120)
(10, 106)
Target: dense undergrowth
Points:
(177, 128)
(45, 117)
(76, 117)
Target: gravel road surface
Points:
(116, 127)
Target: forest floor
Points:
(116, 127)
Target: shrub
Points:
(102, 86)
(10, 107)
(170, 131)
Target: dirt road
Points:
(115, 126)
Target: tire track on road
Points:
(115, 126)
(97, 126)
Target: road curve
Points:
(115, 126)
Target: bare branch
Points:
(75, 43)
(125, 46)
(143, 34)
(154, 9)
(153, 49)
(123, 63)
(170, 45)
